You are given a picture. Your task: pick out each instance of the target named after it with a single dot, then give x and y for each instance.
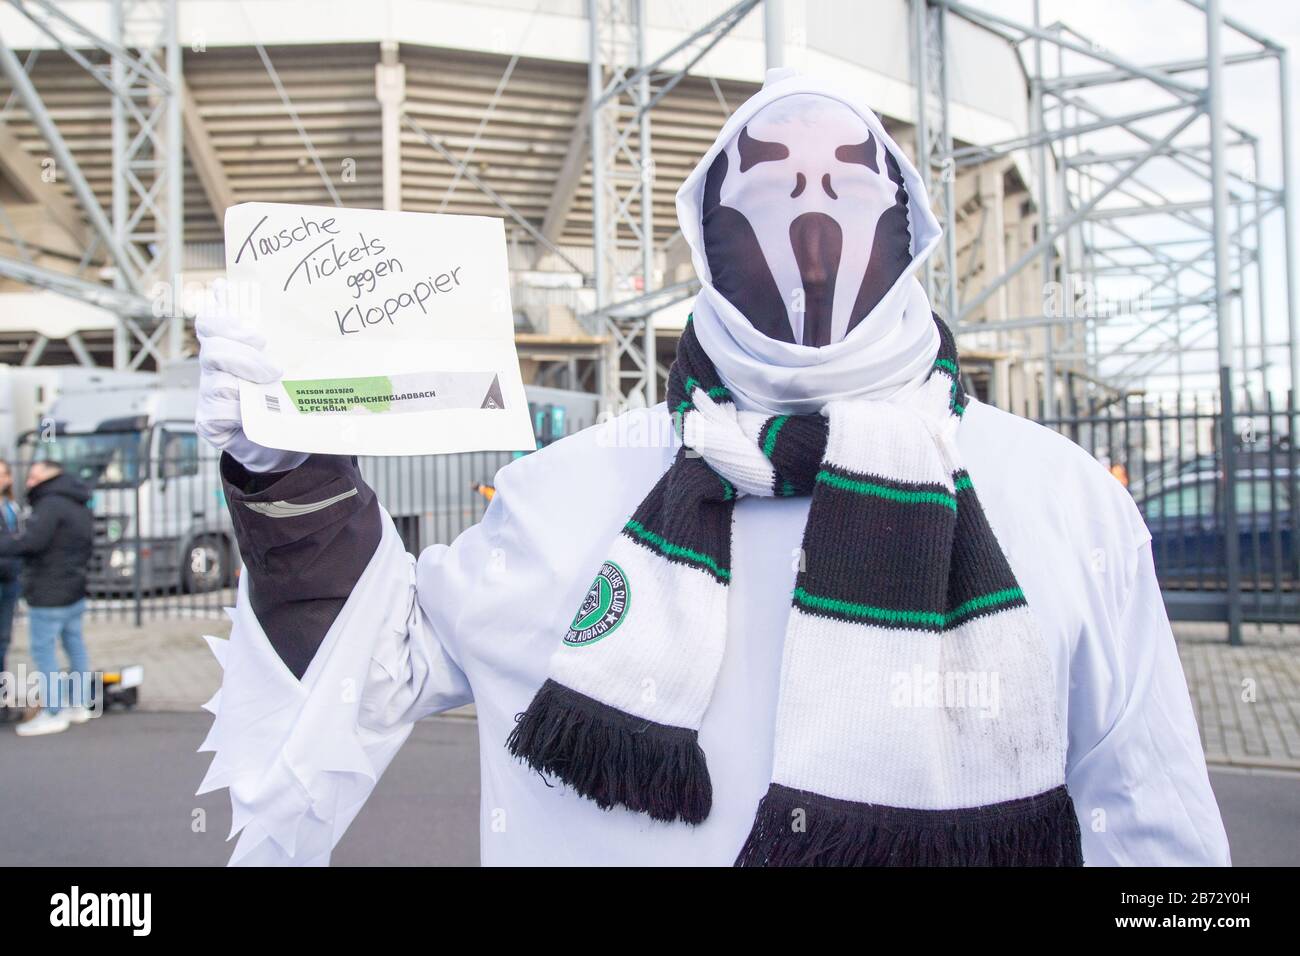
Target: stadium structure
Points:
(1090, 248)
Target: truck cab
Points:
(161, 522)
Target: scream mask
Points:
(805, 220)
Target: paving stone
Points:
(1262, 732)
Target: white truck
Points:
(161, 522)
(28, 392)
(160, 516)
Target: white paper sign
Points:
(394, 330)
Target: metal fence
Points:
(164, 546)
(1222, 534)
(164, 543)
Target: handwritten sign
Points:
(394, 330)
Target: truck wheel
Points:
(204, 567)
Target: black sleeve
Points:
(306, 536)
(37, 533)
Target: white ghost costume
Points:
(477, 620)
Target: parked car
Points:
(1187, 526)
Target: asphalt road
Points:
(117, 791)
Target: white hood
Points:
(887, 350)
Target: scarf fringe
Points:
(1035, 831)
(613, 758)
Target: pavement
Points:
(180, 671)
(119, 791)
(1246, 698)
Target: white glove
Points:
(231, 352)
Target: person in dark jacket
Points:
(55, 545)
(9, 566)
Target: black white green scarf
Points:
(917, 716)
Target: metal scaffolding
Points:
(148, 178)
(1096, 177)
(623, 90)
(143, 234)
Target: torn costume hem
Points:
(299, 756)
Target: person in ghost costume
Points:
(843, 613)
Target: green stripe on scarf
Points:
(769, 443)
(717, 391)
(936, 619)
(882, 491)
(662, 544)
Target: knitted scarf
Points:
(916, 722)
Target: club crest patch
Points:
(602, 610)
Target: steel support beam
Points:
(66, 163)
(390, 90)
(624, 86)
(203, 157)
(1222, 309)
(118, 301)
(566, 184)
(774, 33)
(1291, 237)
(148, 181)
(24, 173)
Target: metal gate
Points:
(1195, 498)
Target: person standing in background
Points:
(9, 566)
(55, 547)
